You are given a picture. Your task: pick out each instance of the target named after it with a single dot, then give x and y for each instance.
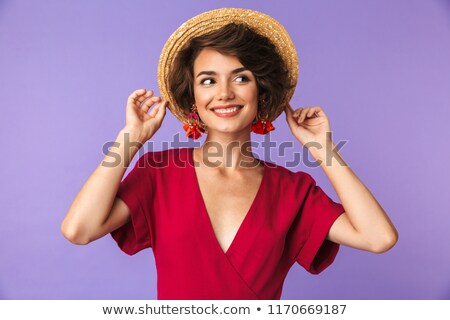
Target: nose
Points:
(225, 92)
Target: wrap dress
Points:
(287, 223)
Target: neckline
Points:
(204, 212)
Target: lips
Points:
(227, 111)
(226, 108)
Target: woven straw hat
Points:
(210, 21)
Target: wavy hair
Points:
(256, 53)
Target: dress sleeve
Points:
(136, 191)
(318, 213)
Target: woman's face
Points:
(226, 94)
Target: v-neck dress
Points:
(287, 222)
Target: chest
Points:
(227, 201)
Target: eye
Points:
(242, 79)
(207, 81)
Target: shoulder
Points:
(284, 176)
(164, 165)
(164, 158)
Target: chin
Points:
(232, 129)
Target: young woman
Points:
(223, 224)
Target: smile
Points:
(227, 111)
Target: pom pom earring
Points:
(262, 124)
(193, 128)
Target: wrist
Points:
(130, 142)
(320, 150)
(132, 135)
(329, 155)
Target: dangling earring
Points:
(193, 128)
(262, 124)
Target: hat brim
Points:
(210, 21)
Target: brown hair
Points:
(254, 51)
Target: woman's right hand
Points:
(140, 123)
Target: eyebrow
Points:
(210, 73)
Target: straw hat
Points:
(210, 21)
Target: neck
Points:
(227, 152)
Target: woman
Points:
(223, 224)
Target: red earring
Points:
(262, 124)
(193, 128)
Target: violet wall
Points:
(380, 69)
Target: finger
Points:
(319, 112)
(288, 106)
(313, 112)
(143, 97)
(289, 117)
(288, 109)
(155, 110)
(300, 112)
(147, 104)
(293, 112)
(135, 94)
(161, 110)
(303, 114)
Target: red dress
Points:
(286, 223)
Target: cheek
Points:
(251, 96)
(201, 97)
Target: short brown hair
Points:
(254, 51)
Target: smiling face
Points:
(225, 93)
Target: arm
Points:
(364, 224)
(96, 210)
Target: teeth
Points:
(227, 110)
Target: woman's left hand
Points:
(309, 125)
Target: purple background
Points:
(380, 69)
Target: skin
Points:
(364, 224)
(227, 190)
(96, 211)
